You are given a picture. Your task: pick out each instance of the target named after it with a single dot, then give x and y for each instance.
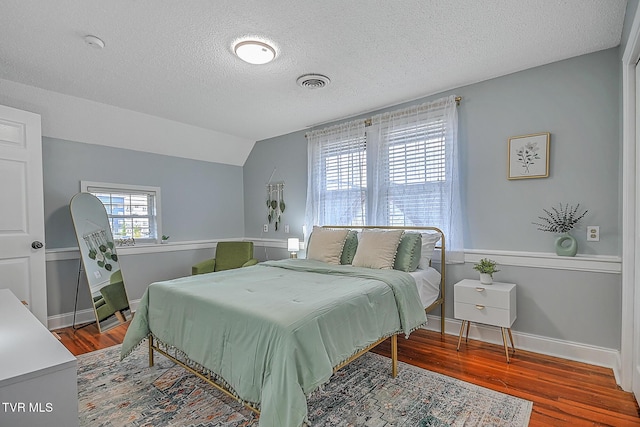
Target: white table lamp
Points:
(293, 246)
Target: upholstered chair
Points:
(112, 299)
(229, 255)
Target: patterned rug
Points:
(129, 393)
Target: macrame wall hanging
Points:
(275, 201)
(101, 249)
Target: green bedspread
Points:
(273, 332)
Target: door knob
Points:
(36, 245)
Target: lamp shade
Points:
(293, 244)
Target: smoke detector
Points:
(313, 81)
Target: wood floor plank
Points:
(563, 392)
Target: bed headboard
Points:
(441, 245)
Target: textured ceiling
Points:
(173, 59)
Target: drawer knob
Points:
(479, 289)
(479, 307)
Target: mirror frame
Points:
(100, 261)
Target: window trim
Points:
(113, 187)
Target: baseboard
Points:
(599, 356)
(65, 320)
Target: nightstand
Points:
(493, 305)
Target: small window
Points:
(133, 210)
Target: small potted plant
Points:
(486, 268)
(165, 239)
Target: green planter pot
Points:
(566, 245)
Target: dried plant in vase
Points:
(561, 221)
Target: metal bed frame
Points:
(155, 346)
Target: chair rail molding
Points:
(548, 260)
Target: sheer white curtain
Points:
(414, 168)
(402, 171)
(337, 178)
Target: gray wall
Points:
(200, 201)
(632, 7)
(286, 154)
(575, 306)
(578, 102)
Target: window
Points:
(345, 180)
(132, 210)
(399, 170)
(338, 181)
(413, 169)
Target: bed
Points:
(270, 334)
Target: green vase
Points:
(566, 245)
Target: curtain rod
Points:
(367, 122)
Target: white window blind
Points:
(414, 163)
(345, 181)
(132, 210)
(337, 186)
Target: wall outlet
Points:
(286, 228)
(265, 228)
(593, 233)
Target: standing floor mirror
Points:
(99, 261)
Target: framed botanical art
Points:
(528, 156)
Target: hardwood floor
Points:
(88, 339)
(564, 393)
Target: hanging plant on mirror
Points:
(275, 203)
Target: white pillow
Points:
(377, 249)
(326, 245)
(429, 241)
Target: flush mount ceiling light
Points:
(94, 41)
(313, 81)
(254, 52)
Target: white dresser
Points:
(493, 304)
(38, 375)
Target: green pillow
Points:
(349, 249)
(409, 251)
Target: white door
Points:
(22, 257)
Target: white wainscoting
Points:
(599, 356)
(594, 263)
(548, 260)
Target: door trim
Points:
(630, 209)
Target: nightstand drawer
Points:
(484, 314)
(483, 295)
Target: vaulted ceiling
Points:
(175, 60)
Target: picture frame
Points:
(528, 156)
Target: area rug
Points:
(129, 393)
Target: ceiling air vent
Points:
(313, 81)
